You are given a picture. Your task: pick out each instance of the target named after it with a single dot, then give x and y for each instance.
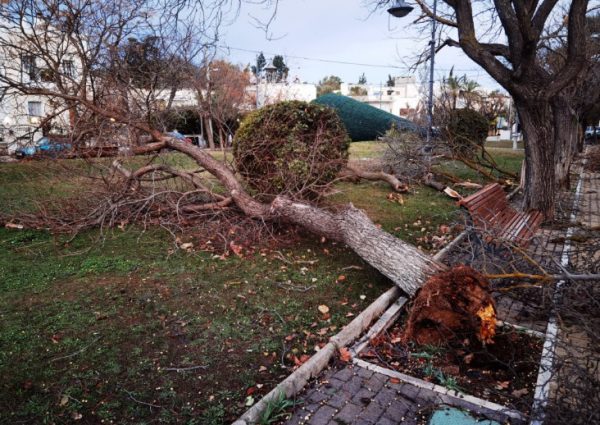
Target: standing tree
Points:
(470, 93)
(220, 87)
(260, 64)
(329, 84)
(512, 57)
(390, 81)
(282, 69)
(362, 79)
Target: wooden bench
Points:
(494, 218)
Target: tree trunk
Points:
(401, 262)
(565, 138)
(538, 128)
(209, 132)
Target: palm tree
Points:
(452, 87)
(469, 92)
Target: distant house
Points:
(268, 93)
(26, 117)
(401, 100)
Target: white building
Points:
(267, 93)
(22, 116)
(401, 100)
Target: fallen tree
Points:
(108, 92)
(401, 262)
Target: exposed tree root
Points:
(453, 307)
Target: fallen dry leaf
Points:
(503, 385)
(520, 393)
(237, 249)
(345, 355)
(394, 380)
(299, 361)
(323, 309)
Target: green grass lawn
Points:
(93, 332)
(506, 159)
(367, 150)
(123, 328)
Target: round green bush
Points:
(465, 131)
(363, 121)
(290, 148)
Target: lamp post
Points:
(399, 10)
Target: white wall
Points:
(269, 93)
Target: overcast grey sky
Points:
(339, 30)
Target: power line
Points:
(371, 65)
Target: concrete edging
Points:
(291, 385)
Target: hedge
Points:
(363, 121)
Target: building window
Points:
(34, 109)
(29, 68)
(68, 68)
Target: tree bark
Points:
(565, 138)
(209, 132)
(401, 262)
(538, 127)
(352, 171)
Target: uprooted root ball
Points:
(452, 307)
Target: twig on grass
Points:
(76, 352)
(286, 285)
(183, 369)
(279, 256)
(140, 401)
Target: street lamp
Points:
(399, 10)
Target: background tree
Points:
(260, 64)
(510, 53)
(221, 93)
(282, 69)
(362, 79)
(329, 85)
(390, 81)
(470, 93)
(358, 91)
(493, 106)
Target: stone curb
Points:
(291, 385)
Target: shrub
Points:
(292, 148)
(465, 131)
(363, 121)
(404, 155)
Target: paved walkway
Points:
(356, 395)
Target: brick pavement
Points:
(358, 396)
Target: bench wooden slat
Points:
(492, 214)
